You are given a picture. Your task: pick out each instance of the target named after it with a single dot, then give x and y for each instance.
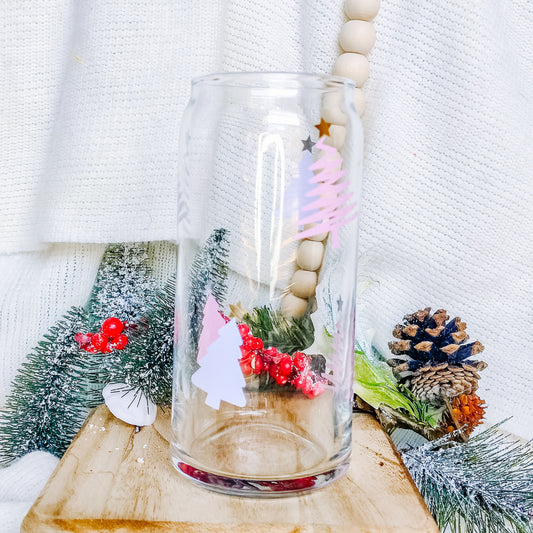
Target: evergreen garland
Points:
(484, 485)
(50, 396)
(146, 363)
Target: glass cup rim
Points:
(273, 79)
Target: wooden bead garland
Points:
(356, 38)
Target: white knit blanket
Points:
(91, 95)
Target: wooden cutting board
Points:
(114, 479)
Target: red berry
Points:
(281, 379)
(258, 344)
(91, 349)
(256, 364)
(316, 390)
(246, 354)
(301, 361)
(307, 385)
(83, 339)
(285, 365)
(112, 327)
(99, 341)
(244, 330)
(246, 368)
(120, 342)
(271, 352)
(298, 381)
(273, 370)
(249, 342)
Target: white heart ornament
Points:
(129, 404)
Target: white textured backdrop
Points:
(91, 95)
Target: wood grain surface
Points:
(114, 479)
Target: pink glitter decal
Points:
(332, 208)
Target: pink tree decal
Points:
(220, 373)
(332, 207)
(211, 323)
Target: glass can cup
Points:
(269, 192)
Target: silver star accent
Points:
(308, 144)
(339, 304)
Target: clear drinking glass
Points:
(265, 309)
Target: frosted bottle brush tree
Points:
(208, 276)
(146, 363)
(50, 395)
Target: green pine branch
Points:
(484, 485)
(288, 335)
(50, 395)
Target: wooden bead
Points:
(361, 9)
(309, 255)
(337, 135)
(292, 306)
(318, 236)
(353, 66)
(303, 283)
(357, 36)
(331, 108)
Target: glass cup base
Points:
(259, 488)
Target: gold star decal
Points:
(323, 127)
(237, 311)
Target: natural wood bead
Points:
(357, 36)
(331, 108)
(303, 283)
(359, 101)
(292, 306)
(337, 135)
(309, 255)
(361, 9)
(353, 66)
(318, 236)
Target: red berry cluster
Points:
(109, 338)
(281, 367)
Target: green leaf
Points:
(375, 384)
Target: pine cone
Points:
(432, 358)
